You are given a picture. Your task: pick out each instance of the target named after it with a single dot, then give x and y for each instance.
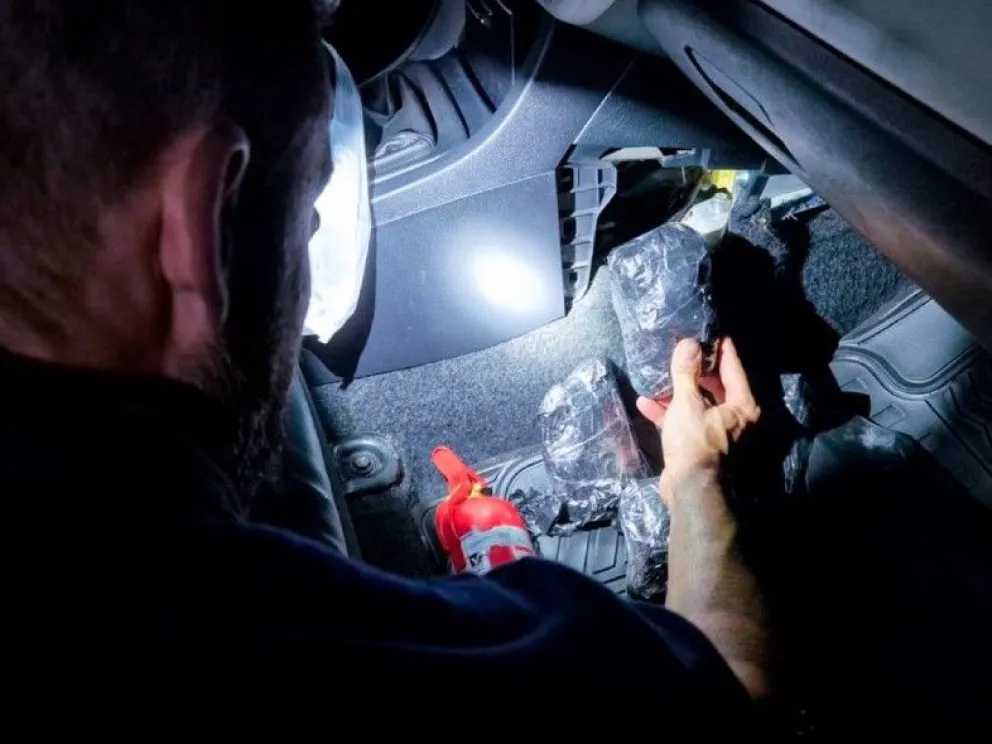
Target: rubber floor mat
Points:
(599, 552)
(924, 374)
(927, 377)
(889, 574)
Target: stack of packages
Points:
(660, 291)
(659, 285)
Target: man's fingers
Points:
(735, 382)
(687, 368)
(732, 420)
(712, 385)
(653, 410)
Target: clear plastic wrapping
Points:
(589, 449)
(540, 510)
(798, 399)
(646, 524)
(339, 249)
(660, 288)
(711, 218)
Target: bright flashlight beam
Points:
(507, 283)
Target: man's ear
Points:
(202, 172)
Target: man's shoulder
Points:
(532, 605)
(258, 558)
(520, 623)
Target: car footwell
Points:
(813, 281)
(879, 564)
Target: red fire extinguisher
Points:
(478, 530)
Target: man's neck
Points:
(49, 341)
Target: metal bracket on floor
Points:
(368, 464)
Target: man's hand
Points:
(703, 416)
(708, 582)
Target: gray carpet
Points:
(844, 278)
(482, 404)
(485, 404)
(841, 276)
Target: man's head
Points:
(158, 167)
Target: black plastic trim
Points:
(496, 193)
(915, 185)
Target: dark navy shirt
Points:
(128, 546)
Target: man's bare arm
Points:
(708, 582)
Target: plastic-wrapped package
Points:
(798, 399)
(711, 218)
(339, 250)
(660, 288)
(646, 524)
(589, 448)
(540, 510)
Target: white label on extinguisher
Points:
(490, 549)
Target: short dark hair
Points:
(91, 91)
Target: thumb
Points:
(687, 368)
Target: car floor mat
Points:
(883, 566)
(926, 377)
(597, 551)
